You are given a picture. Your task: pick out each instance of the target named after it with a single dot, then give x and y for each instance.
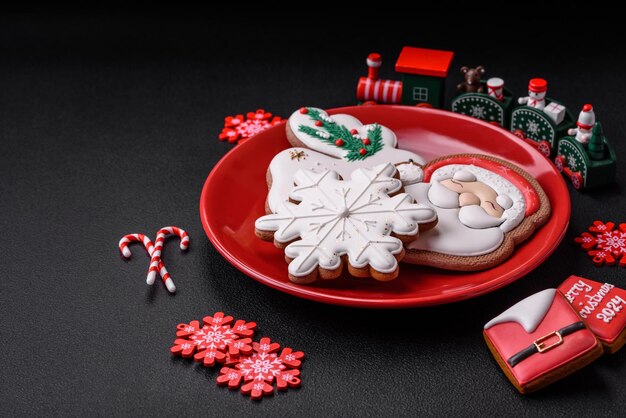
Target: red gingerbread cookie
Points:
(601, 306)
(540, 340)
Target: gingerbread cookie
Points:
(361, 223)
(340, 143)
(485, 207)
(540, 340)
(603, 308)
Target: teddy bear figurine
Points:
(472, 80)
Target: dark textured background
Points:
(108, 126)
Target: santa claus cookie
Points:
(360, 223)
(540, 340)
(340, 143)
(485, 207)
(603, 308)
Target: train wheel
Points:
(544, 148)
(577, 181)
(424, 105)
(559, 162)
(519, 133)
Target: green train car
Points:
(538, 129)
(586, 166)
(485, 107)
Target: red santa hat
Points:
(586, 118)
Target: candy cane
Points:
(127, 239)
(158, 247)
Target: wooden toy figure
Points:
(584, 125)
(537, 88)
(472, 82)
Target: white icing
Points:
(504, 201)
(337, 217)
(528, 313)
(450, 236)
(443, 197)
(473, 216)
(464, 175)
(283, 168)
(513, 215)
(410, 173)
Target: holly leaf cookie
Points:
(340, 143)
(485, 207)
(361, 223)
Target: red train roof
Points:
(423, 61)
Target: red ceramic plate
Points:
(234, 195)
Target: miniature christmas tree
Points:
(596, 143)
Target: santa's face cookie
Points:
(603, 308)
(485, 206)
(540, 340)
(340, 143)
(361, 223)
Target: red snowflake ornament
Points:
(238, 129)
(215, 341)
(604, 243)
(233, 121)
(256, 374)
(260, 114)
(230, 135)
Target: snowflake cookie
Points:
(604, 243)
(257, 373)
(363, 221)
(214, 341)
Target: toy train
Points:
(578, 147)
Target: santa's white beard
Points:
(476, 217)
(451, 235)
(440, 195)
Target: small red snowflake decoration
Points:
(215, 341)
(238, 129)
(257, 373)
(604, 243)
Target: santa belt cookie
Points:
(540, 340)
(540, 345)
(555, 332)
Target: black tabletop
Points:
(108, 125)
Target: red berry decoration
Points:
(304, 110)
(354, 131)
(362, 151)
(319, 123)
(366, 141)
(339, 142)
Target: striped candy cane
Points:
(127, 239)
(158, 247)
